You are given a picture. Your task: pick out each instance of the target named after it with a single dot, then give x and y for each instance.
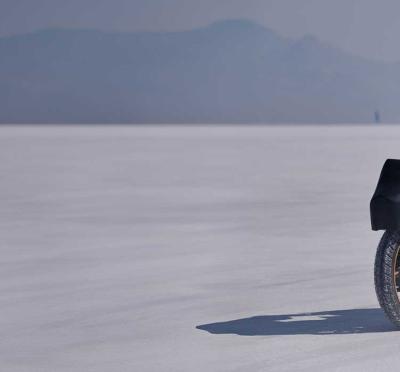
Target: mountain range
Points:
(232, 71)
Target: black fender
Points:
(385, 203)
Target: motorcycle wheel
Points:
(387, 275)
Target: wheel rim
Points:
(396, 272)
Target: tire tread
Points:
(385, 287)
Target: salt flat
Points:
(191, 249)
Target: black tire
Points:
(385, 283)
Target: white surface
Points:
(116, 243)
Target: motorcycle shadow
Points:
(319, 323)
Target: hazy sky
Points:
(366, 27)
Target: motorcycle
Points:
(385, 215)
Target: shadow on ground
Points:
(321, 323)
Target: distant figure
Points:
(377, 115)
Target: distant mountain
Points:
(229, 72)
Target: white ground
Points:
(116, 243)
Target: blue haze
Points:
(231, 72)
